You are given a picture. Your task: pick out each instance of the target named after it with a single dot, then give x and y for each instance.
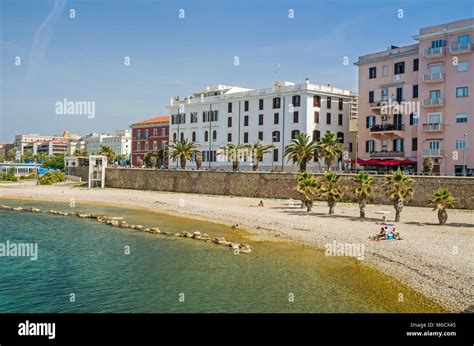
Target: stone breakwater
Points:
(117, 221)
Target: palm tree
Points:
(398, 188)
(331, 189)
(330, 148)
(79, 152)
(301, 150)
(428, 166)
(234, 152)
(10, 155)
(258, 150)
(363, 187)
(182, 150)
(107, 151)
(442, 200)
(307, 186)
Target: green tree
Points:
(79, 152)
(258, 150)
(307, 187)
(397, 187)
(27, 155)
(363, 187)
(331, 189)
(54, 162)
(330, 149)
(234, 153)
(428, 166)
(442, 200)
(107, 151)
(11, 155)
(301, 150)
(151, 159)
(182, 150)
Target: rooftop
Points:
(161, 119)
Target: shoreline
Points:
(429, 269)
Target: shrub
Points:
(52, 178)
(8, 177)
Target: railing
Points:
(460, 47)
(385, 153)
(433, 52)
(433, 102)
(432, 152)
(433, 77)
(433, 127)
(387, 127)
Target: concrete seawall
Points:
(266, 185)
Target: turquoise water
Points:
(88, 259)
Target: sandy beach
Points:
(434, 260)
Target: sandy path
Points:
(435, 260)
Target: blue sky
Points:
(82, 58)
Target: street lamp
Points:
(209, 156)
(464, 155)
(177, 135)
(357, 153)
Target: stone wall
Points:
(266, 185)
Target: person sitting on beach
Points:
(382, 234)
(396, 234)
(260, 204)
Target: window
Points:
(384, 70)
(370, 121)
(260, 104)
(372, 72)
(415, 91)
(328, 103)
(139, 134)
(460, 144)
(369, 146)
(163, 132)
(371, 97)
(296, 100)
(214, 115)
(276, 102)
(434, 118)
(316, 117)
(341, 104)
(384, 93)
(339, 120)
(155, 132)
(155, 145)
(435, 94)
(229, 121)
(399, 67)
(438, 43)
(181, 137)
(229, 137)
(206, 136)
(276, 118)
(146, 134)
(340, 137)
(214, 135)
(464, 39)
(174, 137)
(316, 135)
(414, 119)
(193, 136)
(416, 62)
(260, 119)
(246, 106)
(398, 144)
(295, 134)
(328, 118)
(316, 101)
(139, 144)
(296, 115)
(463, 66)
(275, 155)
(414, 144)
(146, 146)
(461, 118)
(275, 136)
(399, 94)
(246, 120)
(246, 137)
(229, 107)
(260, 135)
(461, 92)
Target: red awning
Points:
(408, 162)
(390, 162)
(359, 161)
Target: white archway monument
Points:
(97, 166)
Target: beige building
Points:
(414, 102)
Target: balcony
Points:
(433, 77)
(460, 48)
(387, 128)
(433, 52)
(387, 154)
(432, 153)
(377, 105)
(435, 127)
(432, 103)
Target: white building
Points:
(120, 142)
(223, 114)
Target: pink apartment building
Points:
(416, 101)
